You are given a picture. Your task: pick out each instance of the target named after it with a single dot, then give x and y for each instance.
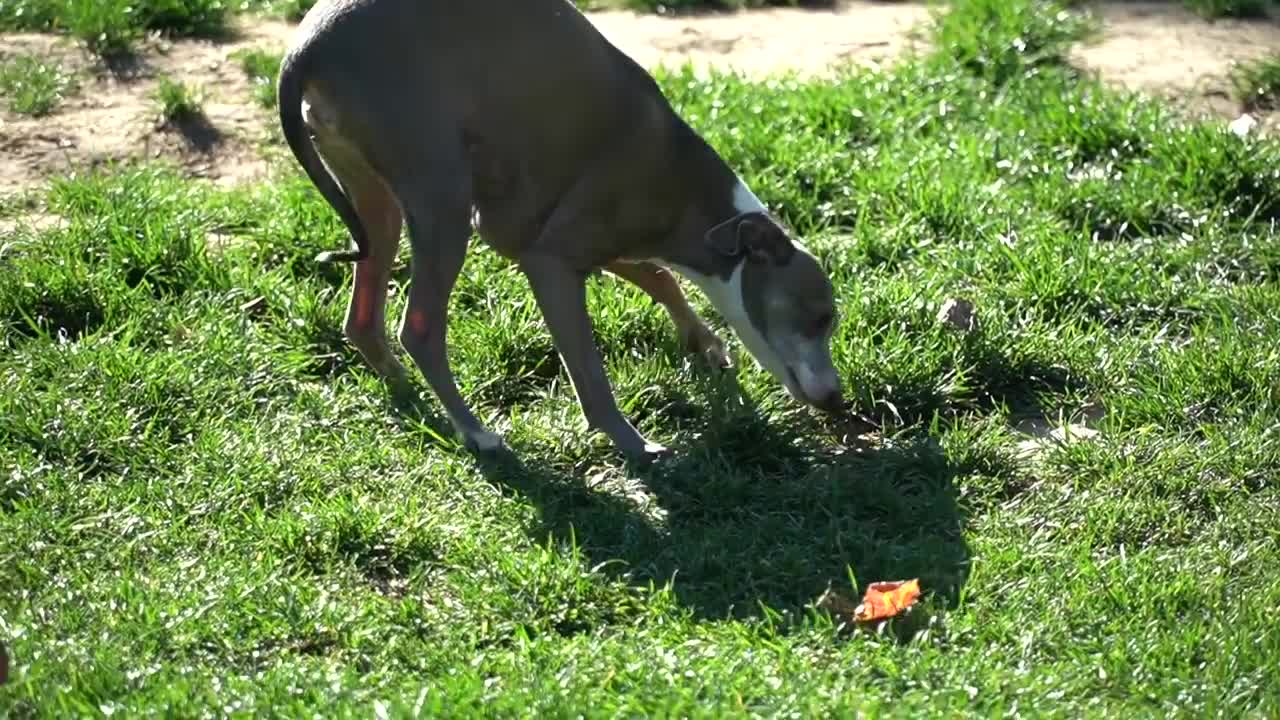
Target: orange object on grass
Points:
(887, 599)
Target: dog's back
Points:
(517, 73)
(532, 82)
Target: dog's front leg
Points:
(660, 285)
(561, 293)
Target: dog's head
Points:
(780, 303)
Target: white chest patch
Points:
(726, 296)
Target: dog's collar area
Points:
(739, 250)
(735, 219)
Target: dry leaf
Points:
(959, 314)
(1065, 435)
(882, 600)
(255, 306)
(887, 599)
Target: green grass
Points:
(32, 86)
(113, 27)
(209, 506)
(177, 101)
(1257, 83)
(262, 68)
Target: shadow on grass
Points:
(757, 515)
(124, 65)
(197, 132)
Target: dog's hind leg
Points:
(379, 212)
(661, 286)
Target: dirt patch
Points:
(113, 116)
(760, 42)
(1165, 50)
(1156, 47)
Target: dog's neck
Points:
(710, 194)
(703, 193)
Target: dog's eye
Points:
(822, 324)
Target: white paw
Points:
(711, 348)
(718, 357)
(484, 441)
(655, 450)
(650, 453)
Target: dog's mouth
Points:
(797, 391)
(795, 388)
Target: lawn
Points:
(209, 506)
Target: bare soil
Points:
(1155, 47)
(1162, 49)
(114, 117)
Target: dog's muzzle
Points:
(819, 391)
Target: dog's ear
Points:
(753, 235)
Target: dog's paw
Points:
(650, 454)
(705, 344)
(484, 441)
(717, 357)
(400, 387)
(330, 257)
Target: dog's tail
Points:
(289, 100)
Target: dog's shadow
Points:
(758, 514)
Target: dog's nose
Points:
(832, 402)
